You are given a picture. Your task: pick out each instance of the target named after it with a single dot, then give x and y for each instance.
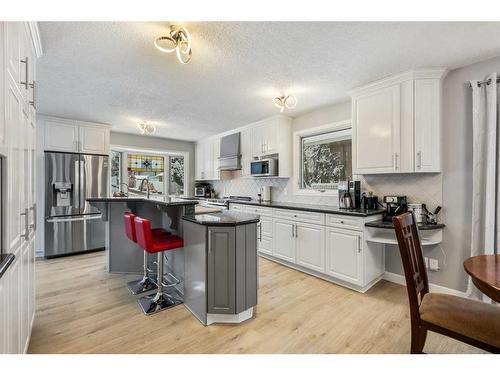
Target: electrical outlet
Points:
(433, 264)
(426, 262)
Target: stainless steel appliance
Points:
(230, 155)
(202, 190)
(72, 225)
(349, 194)
(264, 167)
(394, 205)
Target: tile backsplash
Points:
(419, 188)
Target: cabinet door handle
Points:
(296, 231)
(33, 226)
(396, 160)
(26, 234)
(359, 244)
(209, 241)
(419, 159)
(25, 83)
(260, 232)
(32, 102)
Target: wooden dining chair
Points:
(470, 321)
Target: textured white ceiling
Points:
(110, 72)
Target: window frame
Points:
(297, 157)
(125, 150)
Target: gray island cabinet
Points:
(221, 266)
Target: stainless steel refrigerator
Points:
(72, 225)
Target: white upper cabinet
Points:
(207, 159)
(376, 139)
(396, 123)
(74, 136)
(93, 139)
(61, 136)
(246, 151)
(427, 125)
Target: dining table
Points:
(484, 271)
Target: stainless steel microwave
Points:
(263, 168)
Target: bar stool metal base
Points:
(159, 301)
(143, 285)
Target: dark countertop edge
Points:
(290, 206)
(389, 225)
(6, 262)
(193, 219)
(176, 203)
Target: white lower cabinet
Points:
(310, 242)
(284, 239)
(331, 246)
(265, 235)
(344, 258)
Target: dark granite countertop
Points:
(226, 218)
(5, 261)
(164, 201)
(312, 208)
(389, 225)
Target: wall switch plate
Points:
(433, 264)
(426, 262)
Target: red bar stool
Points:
(156, 243)
(147, 282)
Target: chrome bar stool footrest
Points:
(146, 284)
(159, 301)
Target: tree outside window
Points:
(326, 159)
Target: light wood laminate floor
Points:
(83, 309)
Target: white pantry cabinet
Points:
(19, 49)
(65, 135)
(397, 123)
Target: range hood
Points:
(230, 155)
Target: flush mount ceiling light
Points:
(177, 40)
(282, 102)
(146, 129)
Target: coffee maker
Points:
(394, 205)
(349, 194)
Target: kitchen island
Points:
(216, 268)
(221, 266)
(124, 256)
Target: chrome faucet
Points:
(147, 187)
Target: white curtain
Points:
(485, 158)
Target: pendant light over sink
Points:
(178, 40)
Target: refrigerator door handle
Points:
(79, 218)
(76, 185)
(82, 184)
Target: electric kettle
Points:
(346, 200)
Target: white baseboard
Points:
(400, 279)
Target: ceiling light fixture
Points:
(178, 40)
(146, 129)
(282, 102)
